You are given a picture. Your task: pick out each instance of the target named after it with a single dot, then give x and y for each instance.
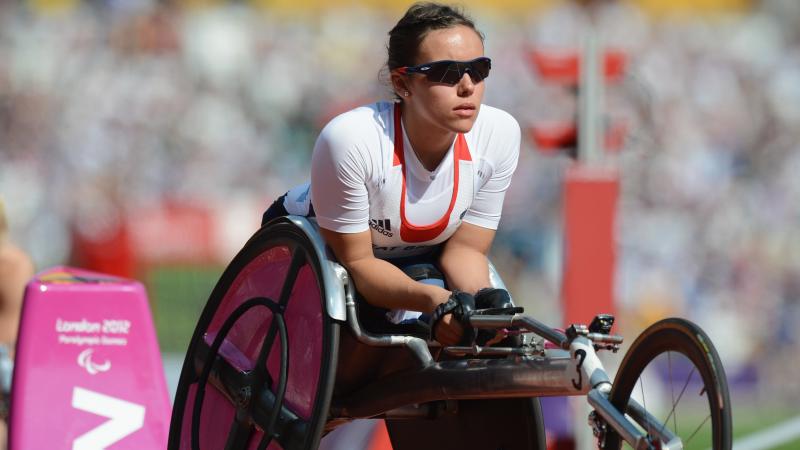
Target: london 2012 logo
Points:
(85, 361)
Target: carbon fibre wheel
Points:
(260, 367)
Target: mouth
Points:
(465, 109)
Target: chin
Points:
(462, 125)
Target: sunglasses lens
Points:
(443, 72)
(450, 72)
(479, 69)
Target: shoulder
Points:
(493, 118)
(496, 135)
(352, 141)
(358, 123)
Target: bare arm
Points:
(463, 259)
(380, 282)
(386, 286)
(16, 269)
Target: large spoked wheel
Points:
(674, 372)
(260, 368)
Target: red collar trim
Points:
(422, 233)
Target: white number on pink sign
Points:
(123, 419)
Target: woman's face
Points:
(452, 108)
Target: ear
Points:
(399, 83)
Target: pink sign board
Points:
(88, 371)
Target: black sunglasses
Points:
(450, 72)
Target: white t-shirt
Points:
(367, 177)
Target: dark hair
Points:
(421, 18)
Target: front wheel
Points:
(674, 373)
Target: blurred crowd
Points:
(112, 107)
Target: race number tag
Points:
(587, 368)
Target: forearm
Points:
(465, 268)
(380, 282)
(383, 284)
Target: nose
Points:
(465, 85)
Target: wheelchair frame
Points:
(571, 368)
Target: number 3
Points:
(580, 355)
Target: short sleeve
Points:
(338, 181)
(500, 159)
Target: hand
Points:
(448, 319)
(492, 298)
(449, 331)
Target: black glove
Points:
(460, 305)
(495, 301)
(492, 298)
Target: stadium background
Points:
(145, 138)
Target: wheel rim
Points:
(674, 374)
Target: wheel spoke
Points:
(672, 392)
(239, 435)
(697, 429)
(260, 373)
(265, 441)
(280, 389)
(675, 402)
(644, 401)
(298, 259)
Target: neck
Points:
(429, 143)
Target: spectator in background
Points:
(16, 269)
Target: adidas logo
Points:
(382, 226)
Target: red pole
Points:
(590, 203)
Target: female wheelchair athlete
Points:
(279, 358)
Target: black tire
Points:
(266, 412)
(681, 345)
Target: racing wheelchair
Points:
(279, 358)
